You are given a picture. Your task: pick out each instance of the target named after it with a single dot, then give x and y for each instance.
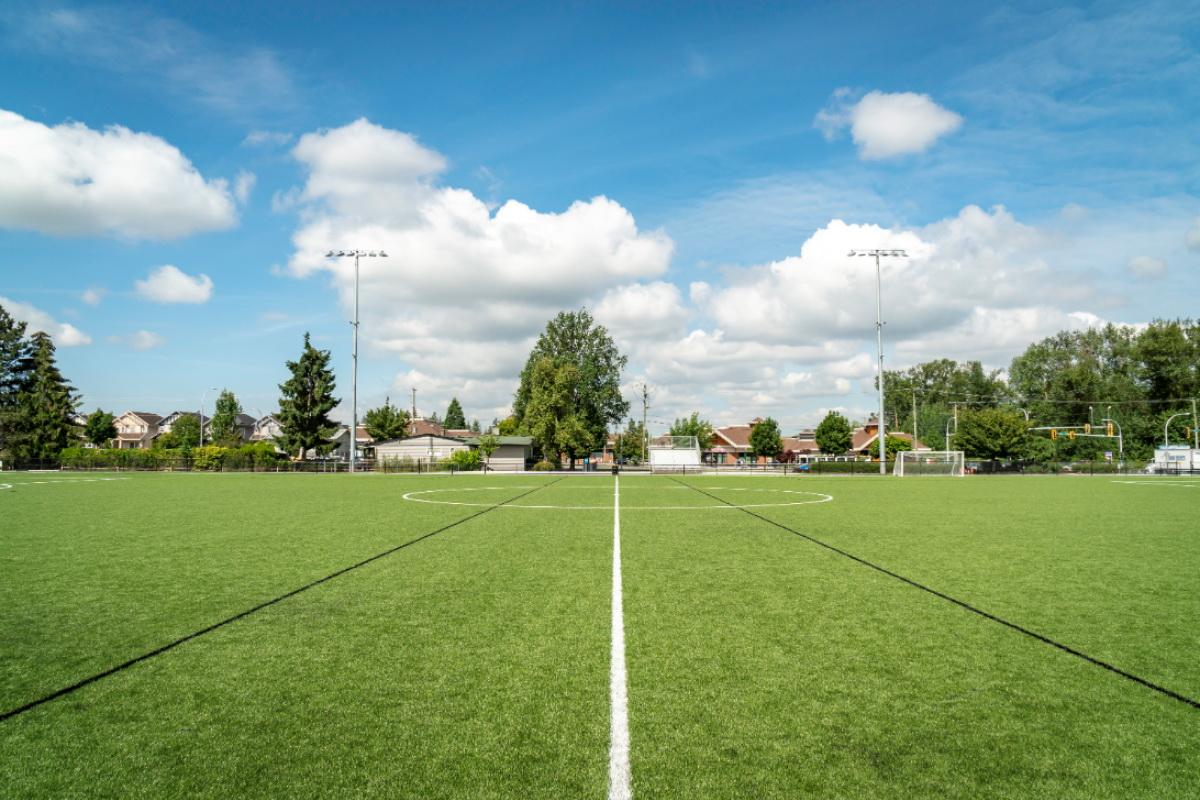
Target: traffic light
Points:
(1109, 429)
(1071, 435)
(1053, 433)
(1087, 427)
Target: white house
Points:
(420, 448)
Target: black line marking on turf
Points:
(196, 634)
(963, 604)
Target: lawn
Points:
(450, 636)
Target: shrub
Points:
(209, 457)
(543, 466)
(466, 460)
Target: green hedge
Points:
(260, 455)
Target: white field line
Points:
(61, 480)
(619, 783)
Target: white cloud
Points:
(885, 125)
(1147, 267)
(72, 180)
(1193, 237)
(243, 185)
(234, 78)
(169, 284)
(141, 340)
(993, 335)
(464, 285)
(63, 334)
(642, 309)
(266, 138)
(93, 296)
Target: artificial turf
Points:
(474, 663)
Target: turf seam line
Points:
(1194, 703)
(66, 690)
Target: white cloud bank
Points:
(464, 285)
(466, 289)
(63, 334)
(886, 125)
(71, 180)
(169, 284)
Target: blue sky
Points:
(693, 173)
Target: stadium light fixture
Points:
(357, 254)
(880, 431)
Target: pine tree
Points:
(454, 415)
(42, 425)
(305, 403)
(386, 422)
(223, 425)
(13, 346)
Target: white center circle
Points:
(810, 498)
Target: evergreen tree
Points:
(765, 439)
(223, 425)
(834, 435)
(99, 429)
(13, 346)
(386, 422)
(454, 415)
(42, 425)
(305, 402)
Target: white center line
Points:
(619, 783)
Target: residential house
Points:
(136, 430)
(341, 443)
(862, 438)
(167, 424)
(266, 429)
(243, 427)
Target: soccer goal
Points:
(929, 462)
(674, 453)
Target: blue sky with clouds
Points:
(171, 176)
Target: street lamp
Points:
(203, 395)
(1167, 425)
(880, 432)
(357, 254)
(1120, 440)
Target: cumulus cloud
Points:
(464, 284)
(1147, 267)
(642, 309)
(93, 296)
(266, 138)
(1193, 237)
(63, 334)
(243, 185)
(72, 180)
(169, 284)
(886, 125)
(140, 340)
(994, 335)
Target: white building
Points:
(1175, 458)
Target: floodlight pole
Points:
(354, 369)
(880, 431)
(203, 395)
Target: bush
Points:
(466, 460)
(543, 466)
(209, 457)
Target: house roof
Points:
(733, 435)
(146, 416)
(517, 440)
(422, 436)
(425, 427)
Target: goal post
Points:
(670, 453)
(929, 462)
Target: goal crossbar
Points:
(930, 462)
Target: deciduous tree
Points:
(223, 425)
(992, 433)
(765, 439)
(99, 428)
(834, 435)
(702, 429)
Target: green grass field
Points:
(474, 662)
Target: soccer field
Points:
(397, 636)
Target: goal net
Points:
(929, 462)
(670, 453)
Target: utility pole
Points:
(914, 432)
(645, 408)
(414, 410)
(1195, 426)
